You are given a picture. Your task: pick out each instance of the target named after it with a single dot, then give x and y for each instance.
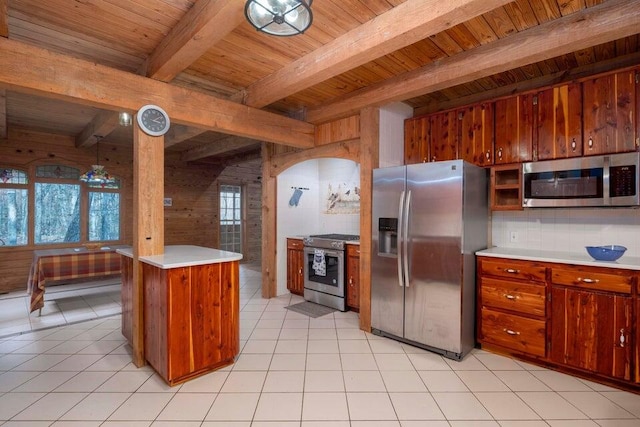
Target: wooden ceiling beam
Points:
(179, 133)
(603, 23)
(30, 69)
(217, 147)
(206, 23)
(401, 26)
(556, 78)
(202, 26)
(102, 125)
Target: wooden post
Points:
(148, 222)
(269, 211)
(369, 160)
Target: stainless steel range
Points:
(324, 269)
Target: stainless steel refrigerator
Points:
(428, 221)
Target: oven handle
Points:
(399, 237)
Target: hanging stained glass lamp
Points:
(97, 174)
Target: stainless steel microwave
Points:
(609, 180)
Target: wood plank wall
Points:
(193, 218)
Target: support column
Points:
(369, 160)
(269, 212)
(148, 222)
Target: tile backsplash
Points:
(567, 230)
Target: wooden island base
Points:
(191, 317)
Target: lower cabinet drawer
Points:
(520, 297)
(514, 332)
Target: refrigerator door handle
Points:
(399, 237)
(405, 239)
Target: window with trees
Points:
(13, 207)
(61, 207)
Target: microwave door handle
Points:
(405, 239)
(606, 182)
(399, 237)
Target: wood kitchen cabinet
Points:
(353, 276)
(512, 305)
(591, 317)
(191, 319)
(505, 192)
(609, 110)
(475, 134)
(295, 266)
(577, 319)
(416, 140)
(559, 122)
(514, 129)
(443, 136)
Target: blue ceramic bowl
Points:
(606, 253)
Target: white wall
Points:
(392, 118)
(568, 230)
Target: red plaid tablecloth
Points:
(66, 264)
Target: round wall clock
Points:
(153, 120)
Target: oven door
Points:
(327, 277)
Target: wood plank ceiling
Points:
(354, 50)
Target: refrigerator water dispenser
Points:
(388, 236)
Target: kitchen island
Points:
(190, 310)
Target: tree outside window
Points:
(60, 205)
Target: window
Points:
(61, 207)
(104, 216)
(14, 199)
(57, 214)
(231, 218)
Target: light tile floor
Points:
(64, 304)
(292, 371)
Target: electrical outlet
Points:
(513, 236)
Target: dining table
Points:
(65, 264)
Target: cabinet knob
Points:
(510, 332)
(622, 338)
(512, 270)
(433, 159)
(573, 144)
(587, 280)
(500, 153)
(300, 271)
(511, 297)
(488, 155)
(590, 143)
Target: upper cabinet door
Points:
(416, 140)
(514, 129)
(609, 113)
(475, 130)
(443, 138)
(559, 127)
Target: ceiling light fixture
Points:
(97, 174)
(279, 17)
(125, 119)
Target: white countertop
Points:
(624, 262)
(175, 256)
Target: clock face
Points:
(153, 120)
